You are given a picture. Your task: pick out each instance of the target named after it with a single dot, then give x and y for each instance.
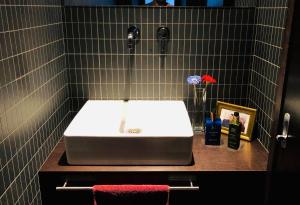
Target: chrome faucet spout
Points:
(130, 42)
(132, 38)
(163, 37)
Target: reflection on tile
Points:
(33, 92)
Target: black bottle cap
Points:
(236, 114)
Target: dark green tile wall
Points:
(34, 102)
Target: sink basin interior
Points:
(130, 133)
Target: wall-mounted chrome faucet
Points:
(163, 37)
(133, 36)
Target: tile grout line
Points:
(44, 45)
(30, 28)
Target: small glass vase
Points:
(199, 108)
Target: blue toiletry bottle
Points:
(212, 130)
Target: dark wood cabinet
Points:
(223, 175)
(51, 196)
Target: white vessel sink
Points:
(130, 133)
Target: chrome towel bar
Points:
(172, 188)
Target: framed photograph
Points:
(247, 117)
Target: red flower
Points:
(208, 79)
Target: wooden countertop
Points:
(251, 156)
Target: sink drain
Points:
(134, 130)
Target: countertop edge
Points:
(251, 157)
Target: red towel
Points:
(131, 194)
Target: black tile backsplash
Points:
(202, 41)
(270, 27)
(34, 103)
(245, 3)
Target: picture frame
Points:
(247, 118)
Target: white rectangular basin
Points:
(130, 133)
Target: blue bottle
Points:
(212, 130)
